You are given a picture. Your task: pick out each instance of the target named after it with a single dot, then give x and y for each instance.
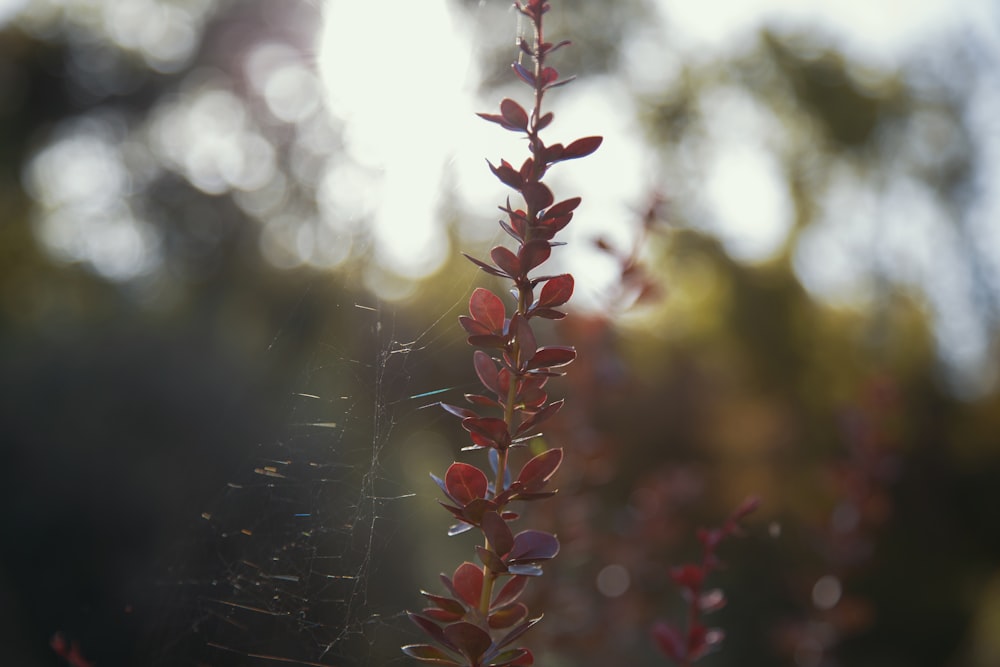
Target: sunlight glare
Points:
(394, 75)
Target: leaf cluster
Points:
(474, 624)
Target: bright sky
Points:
(409, 120)
(415, 129)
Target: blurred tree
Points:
(173, 266)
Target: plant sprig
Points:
(476, 623)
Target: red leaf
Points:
(473, 327)
(428, 653)
(499, 120)
(470, 639)
(712, 600)
(669, 640)
(486, 267)
(491, 560)
(499, 342)
(540, 469)
(552, 357)
(549, 48)
(457, 411)
(503, 379)
(514, 114)
(507, 174)
(562, 208)
(550, 227)
(544, 121)
(504, 618)
(688, 576)
(534, 253)
(492, 117)
(523, 73)
(494, 430)
(479, 399)
(486, 369)
(581, 148)
(549, 74)
(465, 482)
(548, 313)
(537, 195)
(526, 168)
(468, 583)
(531, 546)
(474, 511)
(515, 657)
(556, 291)
(510, 592)
(698, 640)
(442, 616)
(518, 630)
(552, 153)
(506, 260)
(430, 628)
(539, 417)
(525, 336)
(487, 308)
(497, 532)
(446, 604)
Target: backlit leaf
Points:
(518, 630)
(430, 628)
(491, 560)
(486, 267)
(470, 639)
(491, 428)
(532, 546)
(507, 174)
(504, 618)
(457, 411)
(562, 208)
(486, 369)
(506, 260)
(473, 327)
(444, 603)
(515, 657)
(548, 313)
(465, 482)
(540, 469)
(536, 195)
(552, 357)
(442, 615)
(497, 532)
(468, 583)
(525, 336)
(427, 653)
(514, 113)
(581, 148)
(670, 641)
(523, 73)
(510, 592)
(556, 291)
(539, 417)
(487, 308)
(489, 341)
(534, 253)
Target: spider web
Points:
(286, 554)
